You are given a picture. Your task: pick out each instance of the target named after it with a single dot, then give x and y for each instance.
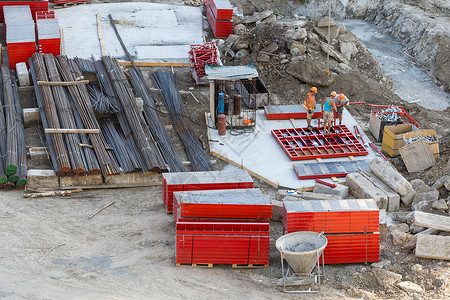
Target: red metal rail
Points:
(199, 56)
(331, 185)
(402, 114)
(378, 151)
(302, 143)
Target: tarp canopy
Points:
(215, 72)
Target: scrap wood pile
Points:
(127, 140)
(13, 163)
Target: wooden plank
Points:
(71, 130)
(100, 35)
(417, 156)
(154, 64)
(110, 186)
(351, 158)
(433, 246)
(292, 122)
(63, 45)
(63, 83)
(431, 221)
(207, 131)
(269, 182)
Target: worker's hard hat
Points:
(314, 89)
(333, 94)
(341, 96)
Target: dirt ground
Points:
(127, 251)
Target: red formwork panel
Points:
(233, 204)
(220, 28)
(39, 15)
(66, 1)
(20, 52)
(352, 248)
(35, 6)
(194, 181)
(52, 46)
(286, 112)
(302, 143)
(222, 9)
(331, 216)
(222, 243)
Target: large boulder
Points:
(348, 49)
(296, 34)
(386, 278)
(311, 72)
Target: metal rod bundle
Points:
(11, 158)
(151, 157)
(66, 117)
(52, 120)
(3, 177)
(168, 86)
(155, 124)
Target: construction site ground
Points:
(50, 249)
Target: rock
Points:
(271, 48)
(362, 188)
(399, 237)
(269, 19)
(441, 182)
(263, 58)
(381, 264)
(298, 45)
(402, 216)
(415, 183)
(257, 16)
(312, 37)
(403, 227)
(424, 206)
(340, 190)
(311, 72)
(298, 58)
(284, 61)
(220, 43)
(240, 29)
(348, 49)
(386, 278)
(417, 268)
(343, 68)
(447, 183)
(410, 287)
(290, 23)
(416, 229)
(325, 21)
(334, 32)
(241, 45)
(390, 176)
(296, 34)
(277, 210)
(424, 188)
(295, 52)
(426, 196)
(336, 55)
(408, 198)
(242, 53)
(439, 204)
(232, 38)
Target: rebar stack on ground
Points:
(22, 150)
(3, 177)
(79, 94)
(11, 160)
(168, 86)
(156, 125)
(66, 117)
(51, 115)
(144, 142)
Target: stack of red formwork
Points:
(20, 34)
(194, 181)
(222, 227)
(220, 17)
(35, 6)
(49, 39)
(351, 227)
(44, 15)
(199, 56)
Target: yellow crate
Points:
(434, 146)
(393, 138)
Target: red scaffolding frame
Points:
(402, 113)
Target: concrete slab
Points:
(433, 246)
(340, 190)
(81, 180)
(42, 179)
(417, 156)
(393, 197)
(261, 155)
(132, 178)
(31, 116)
(431, 221)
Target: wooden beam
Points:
(154, 64)
(67, 130)
(110, 186)
(63, 83)
(100, 35)
(63, 45)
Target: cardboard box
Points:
(434, 146)
(393, 138)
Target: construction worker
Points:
(310, 105)
(328, 109)
(340, 102)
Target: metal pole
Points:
(329, 34)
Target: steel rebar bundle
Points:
(79, 94)
(156, 125)
(11, 154)
(169, 89)
(144, 142)
(49, 107)
(66, 117)
(22, 150)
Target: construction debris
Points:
(433, 246)
(432, 221)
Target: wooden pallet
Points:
(234, 266)
(62, 5)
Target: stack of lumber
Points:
(222, 227)
(351, 227)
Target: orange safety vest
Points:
(308, 105)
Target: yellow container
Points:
(393, 138)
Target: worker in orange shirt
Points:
(340, 103)
(310, 105)
(328, 109)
